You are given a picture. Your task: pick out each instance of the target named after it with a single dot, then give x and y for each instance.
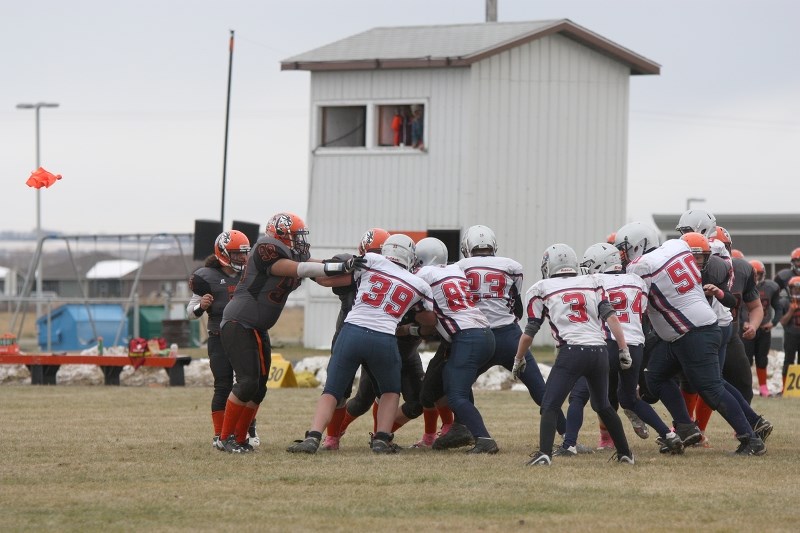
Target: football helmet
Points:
(291, 230)
(559, 260)
(794, 288)
(431, 251)
(400, 249)
(698, 221)
(795, 260)
(231, 248)
(372, 241)
(480, 238)
(634, 240)
(701, 250)
(759, 269)
(601, 258)
(737, 253)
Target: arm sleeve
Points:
(532, 328)
(517, 306)
(193, 308)
(750, 292)
(605, 310)
(728, 299)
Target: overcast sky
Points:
(141, 85)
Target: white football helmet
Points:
(400, 249)
(634, 240)
(479, 237)
(698, 221)
(601, 258)
(431, 251)
(558, 260)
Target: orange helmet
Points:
(723, 236)
(737, 253)
(291, 230)
(231, 248)
(794, 287)
(372, 241)
(701, 250)
(796, 261)
(611, 238)
(759, 269)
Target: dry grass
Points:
(92, 458)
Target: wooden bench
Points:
(44, 367)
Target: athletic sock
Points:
(335, 425)
(243, 424)
(346, 421)
(702, 414)
(216, 418)
(691, 399)
(762, 376)
(430, 416)
(446, 414)
(232, 413)
(374, 417)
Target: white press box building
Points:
(524, 129)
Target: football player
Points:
(212, 286)
(758, 347)
(465, 328)
(387, 290)
(690, 337)
(495, 284)
(575, 306)
(275, 265)
(783, 276)
(790, 320)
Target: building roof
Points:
(167, 267)
(112, 269)
(457, 45)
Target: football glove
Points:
(625, 360)
(518, 368)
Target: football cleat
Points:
(562, 451)
(330, 444)
(623, 459)
(308, 445)
(425, 442)
(539, 459)
(763, 428)
(605, 442)
(457, 436)
(382, 443)
(750, 446)
(639, 427)
(484, 445)
(229, 445)
(671, 443)
(689, 433)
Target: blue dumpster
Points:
(71, 327)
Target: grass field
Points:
(83, 458)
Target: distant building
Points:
(524, 128)
(770, 238)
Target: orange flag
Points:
(42, 178)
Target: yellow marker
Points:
(791, 387)
(281, 373)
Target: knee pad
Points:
(412, 410)
(246, 389)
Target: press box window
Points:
(400, 125)
(344, 126)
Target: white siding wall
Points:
(531, 142)
(550, 148)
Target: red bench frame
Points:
(110, 364)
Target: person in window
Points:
(398, 125)
(417, 127)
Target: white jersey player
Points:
(682, 317)
(464, 326)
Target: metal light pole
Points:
(690, 200)
(37, 107)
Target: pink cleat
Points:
(426, 441)
(445, 429)
(331, 443)
(606, 442)
(764, 391)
